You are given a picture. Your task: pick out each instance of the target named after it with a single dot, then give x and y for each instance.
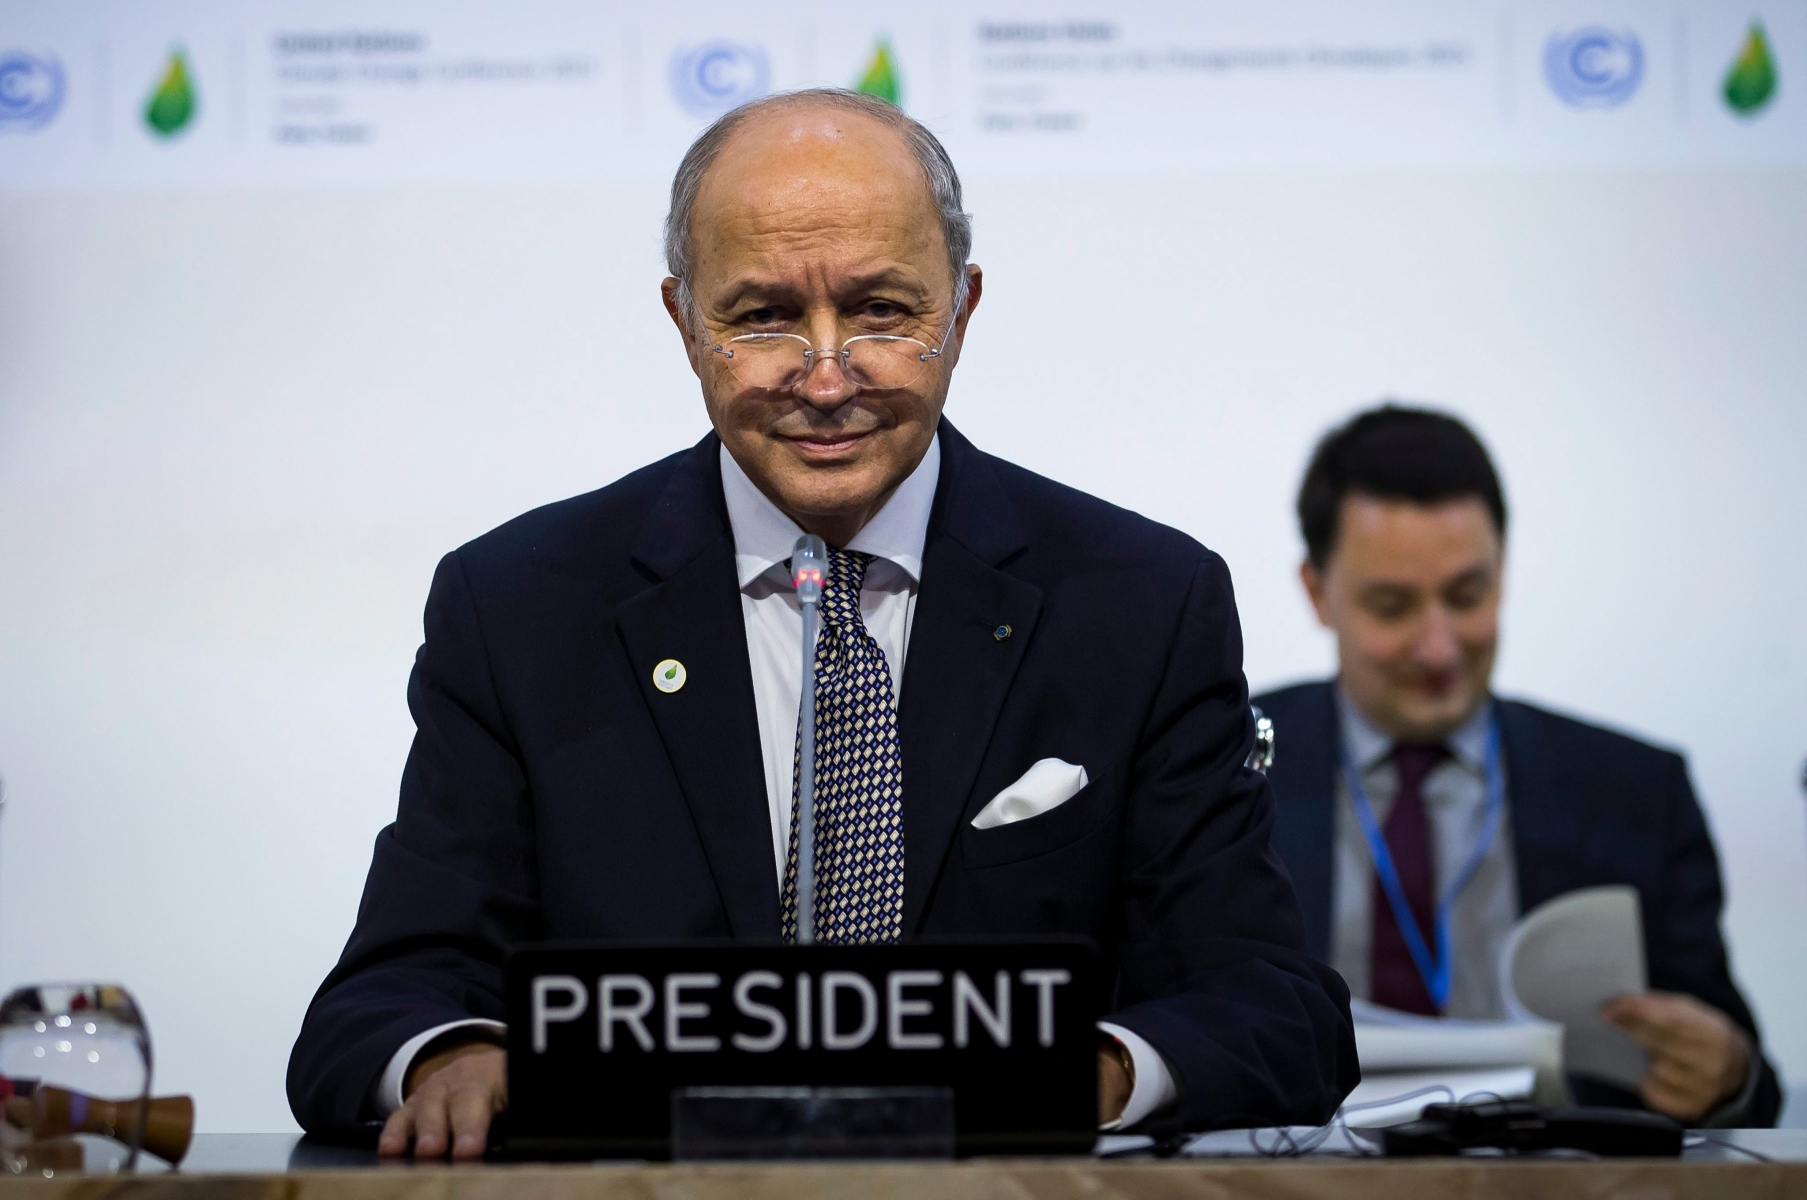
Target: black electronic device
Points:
(1521, 1127)
(990, 1046)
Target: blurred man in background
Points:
(1404, 524)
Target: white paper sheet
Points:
(1281, 1142)
(1396, 1097)
(1376, 1102)
(1388, 1041)
(1568, 958)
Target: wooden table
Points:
(279, 1167)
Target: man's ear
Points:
(668, 292)
(1313, 579)
(975, 287)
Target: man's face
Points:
(818, 222)
(1413, 593)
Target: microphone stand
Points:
(809, 562)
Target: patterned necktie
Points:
(1393, 978)
(859, 776)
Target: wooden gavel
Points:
(54, 1112)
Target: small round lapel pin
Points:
(669, 675)
(1001, 632)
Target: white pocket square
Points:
(1049, 784)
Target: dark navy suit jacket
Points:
(552, 792)
(1588, 807)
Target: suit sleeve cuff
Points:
(388, 1096)
(1153, 1088)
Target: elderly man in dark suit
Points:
(1032, 717)
(1392, 767)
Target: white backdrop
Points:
(241, 416)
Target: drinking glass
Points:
(75, 1079)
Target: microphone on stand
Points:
(809, 565)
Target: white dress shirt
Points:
(763, 540)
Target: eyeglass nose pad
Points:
(813, 356)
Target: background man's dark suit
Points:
(552, 792)
(1588, 806)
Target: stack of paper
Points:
(1394, 1097)
(1402, 1054)
(1562, 962)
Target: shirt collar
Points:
(764, 536)
(1368, 746)
(1469, 742)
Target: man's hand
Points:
(1698, 1058)
(1115, 1081)
(450, 1098)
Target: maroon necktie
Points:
(1393, 978)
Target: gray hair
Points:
(937, 170)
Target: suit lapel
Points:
(1303, 778)
(1546, 826)
(958, 670)
(709, 726)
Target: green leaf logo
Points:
(880, 78)
(671, 672)
(1751, 82)
(172, 106)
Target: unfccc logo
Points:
(1594, 67)
(31, 91)
(716, 76)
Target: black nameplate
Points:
(599, 1037)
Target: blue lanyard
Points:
(1434, 971)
